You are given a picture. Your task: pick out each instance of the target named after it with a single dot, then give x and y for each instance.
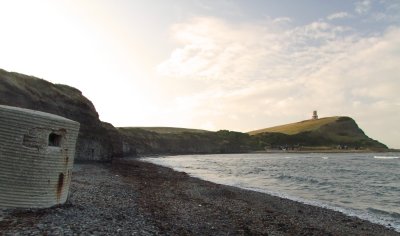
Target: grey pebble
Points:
(100, 203)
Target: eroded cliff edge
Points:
(97, 140)
(101, 141)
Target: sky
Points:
(215, 64)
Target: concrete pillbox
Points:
(37, 152)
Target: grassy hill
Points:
(298, 127)
(171, 130)
(329, 132)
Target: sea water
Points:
(365, 185)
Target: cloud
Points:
(282, 20)
(363, 7)
(210, 43)
(339, 15)
(220, 7)
(213, 49)
(258, 75)
(389, 13)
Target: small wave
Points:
(299, 179)
(385, 157)
(382, 212)
(374, 210)
(325, 158)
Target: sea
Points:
(365, 185)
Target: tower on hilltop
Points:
(315, 115)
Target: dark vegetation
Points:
(102, 141)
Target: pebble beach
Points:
(131, 197)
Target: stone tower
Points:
(315, 115)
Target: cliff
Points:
(330, 132)
(99, 140)
(96, 141)
(163, 140)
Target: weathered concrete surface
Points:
(36, 157)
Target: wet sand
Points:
(131, 197)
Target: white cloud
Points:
(282, 20)
(389, 13)
(362, 7)
(262, 75)
(339, 15)
(210, 43)
(216, 50)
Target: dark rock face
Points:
(137, 141)
(96, 141)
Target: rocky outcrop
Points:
(96, 141)
(329, 132)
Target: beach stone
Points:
(100, 204)
(145, 199)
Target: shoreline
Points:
(327, 151)
(289, 217)
(135, 197)
(383, 220)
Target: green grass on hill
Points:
(36, 88)
(298, 127)
(169, 130)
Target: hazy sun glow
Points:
(237, 65)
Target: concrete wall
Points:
(36, 158)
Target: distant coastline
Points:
(101, 141)
(327, 151)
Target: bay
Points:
(365, 185)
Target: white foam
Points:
(385, 157)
